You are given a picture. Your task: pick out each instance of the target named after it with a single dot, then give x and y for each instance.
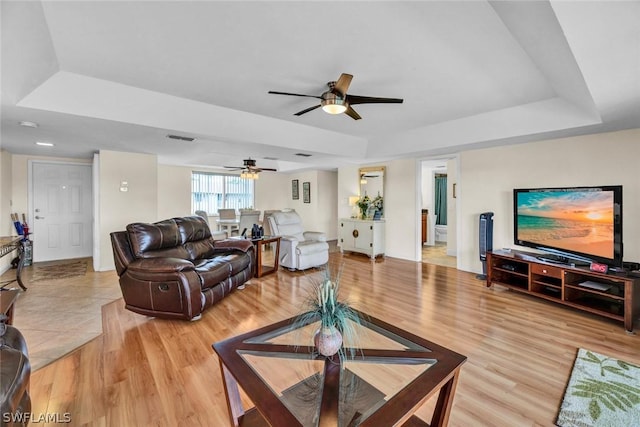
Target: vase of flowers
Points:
(337, 319)
(364, 204)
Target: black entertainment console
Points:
(616, 296)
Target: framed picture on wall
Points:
(306, 192)
(294, 189)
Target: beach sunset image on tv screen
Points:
(575, 220)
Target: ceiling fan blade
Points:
(233, 167)
(343, 84)
(299, 113)
(268, 169)
(293, 94)
(352, 113)
(355, 99)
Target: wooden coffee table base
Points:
(291, 385)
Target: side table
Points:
(262, 270)
(7, 298)
(7, 245)
(262, 242)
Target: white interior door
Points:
(62, 211)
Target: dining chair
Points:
(227, 213)
(247, 219)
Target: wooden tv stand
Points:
(616, 296)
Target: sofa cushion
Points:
(192, 228)
(152, 237)
(199, 249)
(196, 237)
(215, 270)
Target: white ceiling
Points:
(121, 75)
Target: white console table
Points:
(362, 235)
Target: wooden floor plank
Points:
(143, 371)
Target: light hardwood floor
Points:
(57, 316)
(144, 371)
(437, 254)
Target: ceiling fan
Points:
(336, 100)
(249, 169)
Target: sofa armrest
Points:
(289, 238)
(161, 265)
(315, 235)
(239, 244)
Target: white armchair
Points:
(299, 249)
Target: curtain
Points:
(441, 200)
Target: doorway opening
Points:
(439, 211)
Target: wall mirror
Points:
(372, 181)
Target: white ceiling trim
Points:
(71, 93)
(545, 116)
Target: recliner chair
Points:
(299, 249)
(247, 219)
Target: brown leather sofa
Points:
(15, 372)
(174, 269)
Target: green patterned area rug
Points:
(602, 391)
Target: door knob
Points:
(39, 217)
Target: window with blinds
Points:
(213, 191)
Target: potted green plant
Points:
(338, 321)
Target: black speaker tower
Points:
(485, 240)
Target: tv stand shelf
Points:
(614, 296)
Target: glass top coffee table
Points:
(392, 374)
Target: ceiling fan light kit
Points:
(332, 103)
(249, 170)
(247, 174)
(337, 101)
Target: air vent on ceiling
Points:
(303, 154)
(181, 138)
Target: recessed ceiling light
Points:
(44, 144)
(28, 124)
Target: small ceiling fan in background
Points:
(336, 100)
(249, 169)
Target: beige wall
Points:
(485, 182)
(6, 227)
(174, 191)
(116, 208)
(452, 207)
(487, 178)
(401, 204)
(402, 209)
(274, 192)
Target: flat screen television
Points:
(576, 223)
